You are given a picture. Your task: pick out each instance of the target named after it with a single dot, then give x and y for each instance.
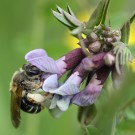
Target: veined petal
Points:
(35, 54)
(92, 90)
(85, 97)
(54, 101)
(40, 59)
(65, 89)
(74, 79)
(62, 65)
(50, 83)
(63, 103)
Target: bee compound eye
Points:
(34, 71)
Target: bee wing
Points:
(15, 107)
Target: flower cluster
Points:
(95, 68)
(102, 51)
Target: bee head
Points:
(31, 70)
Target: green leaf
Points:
(125, 29)
(86, 114)
(125, 32)
(96, 16)
(92, 130)
(73, 20)
(105, 12)
(67, 18)
(132, 49)
(60, 10)
(62, 19)
(126, 127)
(132, 18)
(70, 11)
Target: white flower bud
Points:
(108, 40)
(93, 37)
(95, 46)
(109, 59)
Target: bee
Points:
(29, 106)
(34, 103)
(27, 79)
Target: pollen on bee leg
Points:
(37, 86)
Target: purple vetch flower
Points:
(80, 68)
(93, 89)
(109, 59)
(53, 70)
(40, 59)
(62, 93)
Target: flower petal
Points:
(63, 103)
(54, 101)
(74, 79)
(85, 98)
(35, 54)
(92, 90)
(65, 89)
(62, 65)
(50, 83)
(40, 59)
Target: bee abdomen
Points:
(29, 107)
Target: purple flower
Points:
(93, 89)
(62, 92)
(40, 59)
(53, 70)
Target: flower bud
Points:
(109, 59)
(93, 37)
(95, 46)
(108, 40)
(116, 38)
(86, 114)
(93, 63)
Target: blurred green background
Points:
(29, 24)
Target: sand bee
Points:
(23, 82)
